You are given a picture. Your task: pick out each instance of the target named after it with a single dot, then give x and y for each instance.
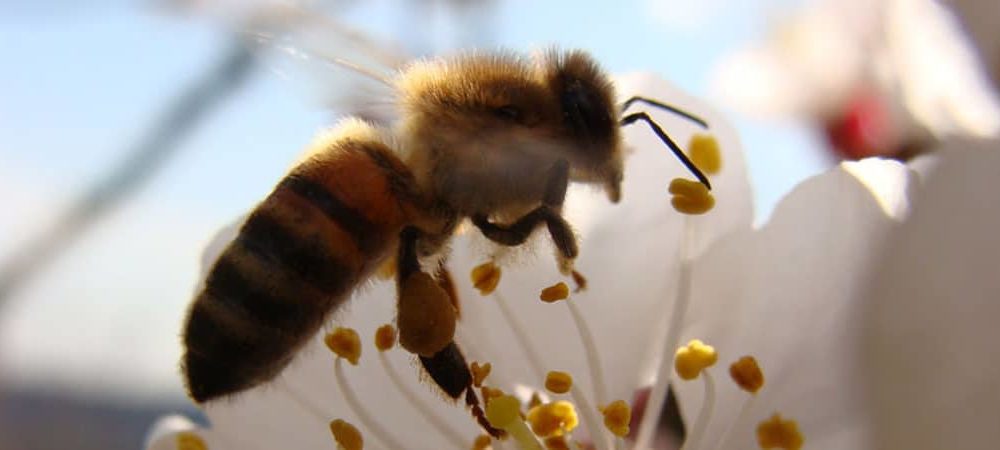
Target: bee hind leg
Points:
(450, 372)
(425, 314)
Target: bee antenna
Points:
(631, 118)
(665, 107)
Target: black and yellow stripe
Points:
(298, 256)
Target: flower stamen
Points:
(658, 394)
(486, 277)
(384, 339)
(553, 419)
(690, 197)
(779, 433)
(693, 440)
(479, 373)
(704, 152)
(556, 443)
(504, 412)
(359, 411)
(589, 416)
(692, 359)
(482, 442)
(558, 382)
(617, 416)
(347, 436)
(554, 293)
(345, 343)
(590, 351)
(747, 374)
(490, 393)
(187, 440)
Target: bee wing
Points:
(346, 70)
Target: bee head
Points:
(521, 114)
(588, 117)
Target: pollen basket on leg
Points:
(425, 315)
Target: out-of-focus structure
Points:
(888, 78)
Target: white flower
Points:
(836, 357)
(874, 325)
(787, 294)
(630, 253)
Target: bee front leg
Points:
(549, 213)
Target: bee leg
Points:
(425, 314)
(518, 232)
(450, 372)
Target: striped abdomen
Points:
(298, 256)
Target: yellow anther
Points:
(345, 343)
(387, 270)
(535, 400)
(482, 442)
(425, 316)
(558, 382)
(747, 374)
(502, 411)
(779, 433)
(187, 440)
(385, 337)
(690, 197)
(347, 437)
(485, 277)
(704, 152)
(552, 419)
(479, 373)
(617, 417)
(554, 293)
(556, 443)
(690, 360)
(490, 393)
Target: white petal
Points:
(931, 329)
(787, 295)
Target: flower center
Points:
(531, 421)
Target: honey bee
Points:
(491, 138)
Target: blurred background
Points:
(130, 131)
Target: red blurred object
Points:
(864, 128)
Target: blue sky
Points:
(78, 88)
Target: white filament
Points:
(454, 436)
(381, 434)
(658, 395)
(744, 411)
(585, 407)
(693, 440)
